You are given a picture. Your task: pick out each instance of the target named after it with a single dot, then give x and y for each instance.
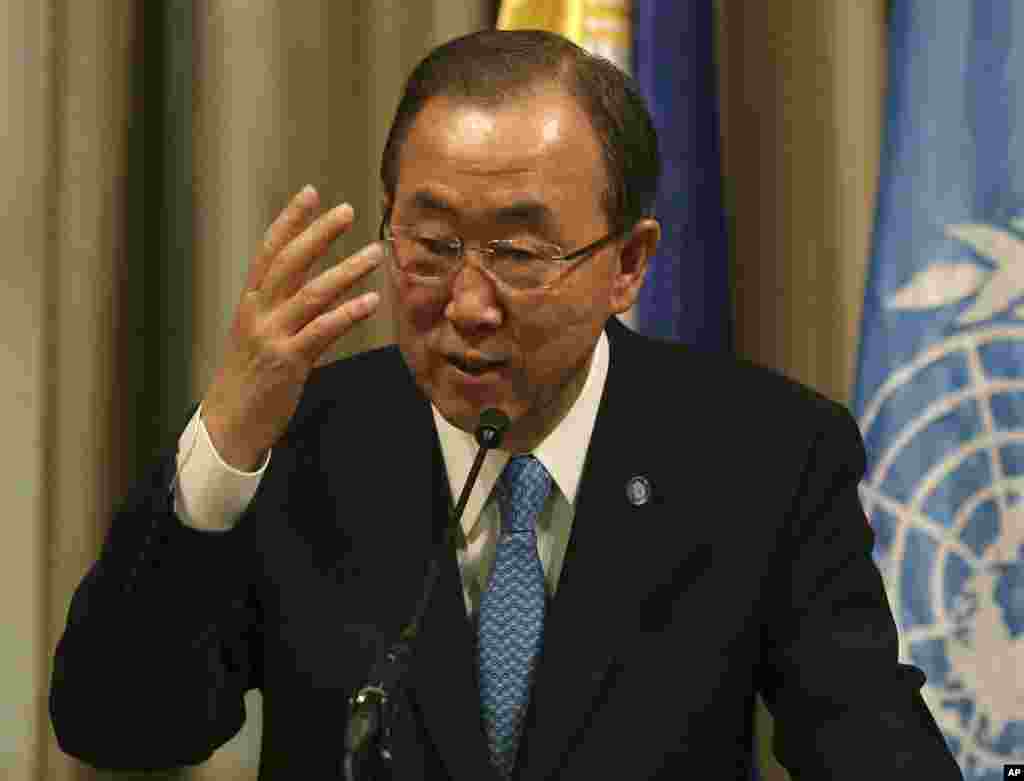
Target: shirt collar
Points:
(562, 452)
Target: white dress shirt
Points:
(210, 495)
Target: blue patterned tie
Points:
(512, 610)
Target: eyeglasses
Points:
(521, 264)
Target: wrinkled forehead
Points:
(536, 148)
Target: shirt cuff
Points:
(209, 494)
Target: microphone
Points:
(490, 430)
(370, 705)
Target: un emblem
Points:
(945, 494)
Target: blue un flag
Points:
(940, 390)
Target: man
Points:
(660, 535)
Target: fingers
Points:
(326, 329)
(282, 291)
(286, 273)
(320, 333)
(288, 224)
(323, 291)
(316, 324)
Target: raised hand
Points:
(284, 321)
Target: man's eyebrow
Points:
(427, 201)
(523, 211)
(533, 212)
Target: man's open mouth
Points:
(473, 366)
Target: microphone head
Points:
(492, 426)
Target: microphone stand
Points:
(371, 709)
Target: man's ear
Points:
(629, 276)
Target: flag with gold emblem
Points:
(599, 26)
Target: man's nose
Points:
(474, 300)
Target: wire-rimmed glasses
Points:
(527, 263)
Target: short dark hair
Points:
(492, 66)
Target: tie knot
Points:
(525, 484)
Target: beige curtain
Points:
(802, 89)
(802, 86)
(64, 96)
(288, 93)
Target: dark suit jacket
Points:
(748, 570)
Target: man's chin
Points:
(465, 414)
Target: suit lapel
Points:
(607, 569)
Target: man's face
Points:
(461, 165)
